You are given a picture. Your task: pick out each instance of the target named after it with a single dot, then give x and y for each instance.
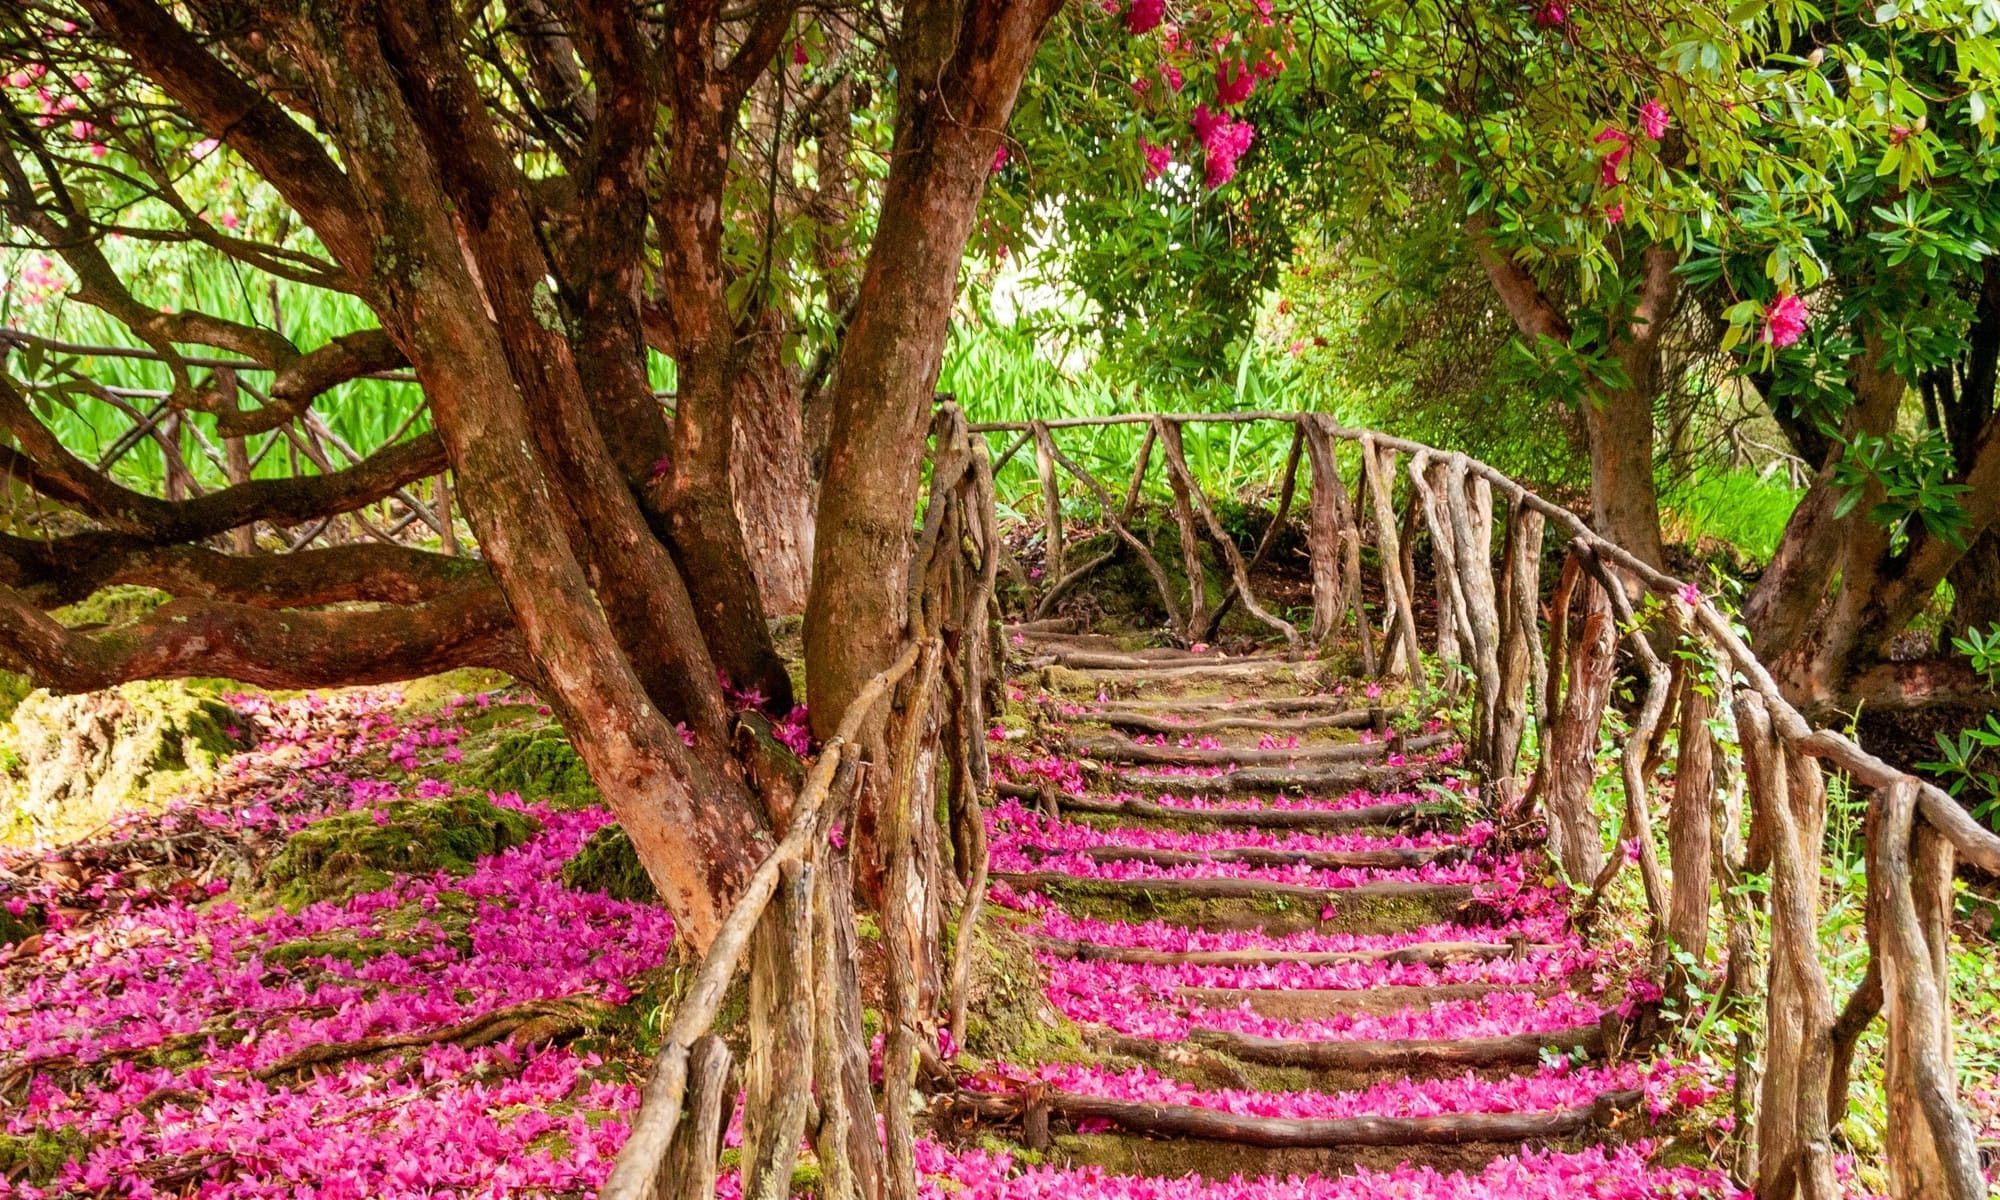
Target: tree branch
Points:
(66, 570)
(277, 147)
(1534, 314)
(45, 465)
(470, 626)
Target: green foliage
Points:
(1913, 476)
(358, 851)
(1969, 760)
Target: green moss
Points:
(14, 930)
(1008, 1015)
(352, 852)
(35, 1158)
(121, 604)
(433, 691)
(539, 765)
(608, 863)
(347, 950)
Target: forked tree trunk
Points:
(962, 72)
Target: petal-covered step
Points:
(1552, 1101)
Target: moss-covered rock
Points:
(539, 765)
(75, 761)
(608, 863)
(360, 851)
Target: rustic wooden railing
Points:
(1556, 654)
(795, 920)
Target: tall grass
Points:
(1739, 506)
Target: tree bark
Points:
(771, 472)
(1570, 760)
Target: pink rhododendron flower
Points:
(1223, 140)
(1552, 15)
(1784, 320)
(1615, 213)
(1690, 595)
(1000, 156)
(1233, 83)
(1144, 16)
(1653, 119)
(1157, 158)
(1621, 148)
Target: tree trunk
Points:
(960, 73)
(1624, 503)
(771, 473)
(1794, 584)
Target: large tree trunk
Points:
(555, 519)
(1794, 585)
(1624, 503)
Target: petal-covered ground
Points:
(148, 1038)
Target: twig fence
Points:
(1552, 653)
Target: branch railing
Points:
(1551, 656)
(806, 1075)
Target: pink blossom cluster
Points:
(1014, 858)
(1784, 320)
(1224, 140)
(1538, 967)
(1161, 935)
(1010, 820)
(54, 98)
(1599, 1173)
(1360, 798)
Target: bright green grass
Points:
(1737, 506)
